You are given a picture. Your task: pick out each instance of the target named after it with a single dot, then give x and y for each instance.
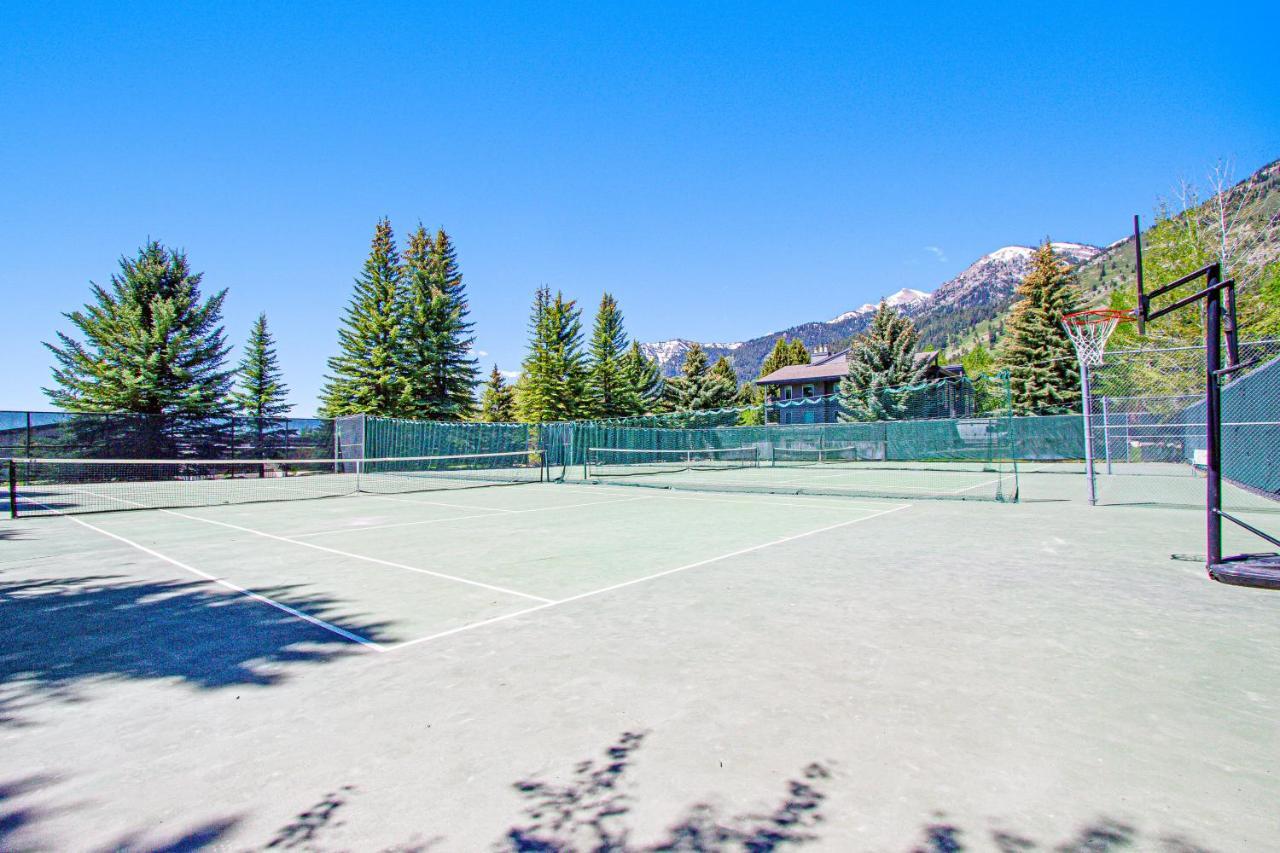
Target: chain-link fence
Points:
(1148, 427)
(79, 435)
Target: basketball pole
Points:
(1087, 407)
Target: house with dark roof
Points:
(819, 380)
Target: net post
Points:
(13, 485)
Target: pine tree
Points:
(722, 385)
(778, 357)
(261, 392)
(1043, 373)
(436, 357)
(365, 375)
(553, 385)
(498, 402)
(151, 343)
(698, 387)
(457, 373)
(880, 359)
(644, 379)
(784, 354)
(612, 395)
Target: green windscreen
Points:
(940, 442)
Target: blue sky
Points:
(723, 169)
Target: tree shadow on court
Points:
(304, 832)
(1104, 835)
(20, 819)
(58, 635)
(589, 813)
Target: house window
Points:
(807, 390)
(786, 393)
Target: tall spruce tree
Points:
(1043, 373)
(365, 376)
(260, 392)
(457, 372)
(722, 384)
(880, 359)
(784, 354)
(498, 401)
(151, 344)
(644, 378)
(699, 387)
(612, 394)
(554, 383)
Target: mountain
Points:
(971, 307)
(982, 289)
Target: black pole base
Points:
(1261, 571)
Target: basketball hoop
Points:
(1089, 331)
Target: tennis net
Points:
(54, 486)
(632, 461)
(805, 456)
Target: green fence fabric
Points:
(76, 435)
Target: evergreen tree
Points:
(778, 357)
(151, 343)
(457, 372)
(784, 354)
(644, 379)
(1043, 372)
(436, 357)
(553, 385)
(261, 392)
(612, 394)
(881, 359)
(722, 384)
(698, 387)
(365, 375)
(498, 402)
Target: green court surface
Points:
(575, 667)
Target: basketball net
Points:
(1089, 331)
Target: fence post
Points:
(13, 485)
(1106, 436)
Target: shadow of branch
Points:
(60, 632)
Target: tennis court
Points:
(574, 665)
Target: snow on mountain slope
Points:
(987, 281)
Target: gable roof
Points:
(833, 366)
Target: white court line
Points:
(974, 486)
(644, 579)
(353, 556)
(429, 503)
(885, 486)
(502, 514)
(765, 500)
(297, 614)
